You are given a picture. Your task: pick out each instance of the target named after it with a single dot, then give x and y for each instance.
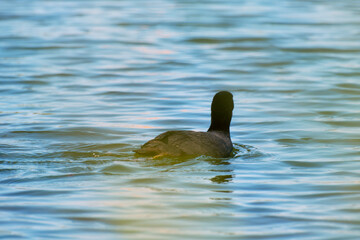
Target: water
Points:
(82, 84)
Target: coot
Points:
(215, 142)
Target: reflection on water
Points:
(84, 84)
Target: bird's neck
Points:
(220, 123)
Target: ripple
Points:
(242, 48)
(304, 164)
(42, 48)
(348, 123)
(53, 75)
(214, 40)
(320, 50)
(67, 133)
(63, 177)
(348, 74)
(118, 169)
(37, 193)
(146, 180)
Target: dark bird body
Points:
(215, 142)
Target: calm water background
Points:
(83, 83)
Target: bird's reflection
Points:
(222, 179)
(218, 163)
(227, 176)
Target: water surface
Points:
(82, 84)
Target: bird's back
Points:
(188, 143)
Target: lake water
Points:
(84, 83)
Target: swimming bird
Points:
(216, 142)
